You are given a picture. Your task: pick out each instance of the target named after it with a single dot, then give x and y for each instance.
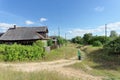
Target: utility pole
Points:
(54, 33)
(105, 30)
(65, 36)
(65, 45)
(59, 31)
(105, 33)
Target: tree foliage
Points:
(87, 38)
(113, 34)
(77, 40)
(60, 40)
(113, 46)
(97, 43)
(101, 39)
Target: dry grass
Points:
(6, 74)
(98, 62)
(63, 52)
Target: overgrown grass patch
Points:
(99, 63)
(63, 52)
(6, 74)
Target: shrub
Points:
(49, 42)
(97, 43)
(113, 46)
(17, 52)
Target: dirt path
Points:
(52, 66)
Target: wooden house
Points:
(24, 35)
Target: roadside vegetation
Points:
(35, 52)
(101, 56)
(17, 52)
(64, 52)
(98, 62)
(6, 74)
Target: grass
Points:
(99, 63)
(6, 74)
(63, 52)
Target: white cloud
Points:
(43, 19)
(96, 31)
(5, 26)
(28, 22)
(99, 9)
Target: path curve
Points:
(57, 66)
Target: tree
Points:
(77, 39)
(113, 34)
(113, 46)
(101, 39)
(87, 37)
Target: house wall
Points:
(23, 42)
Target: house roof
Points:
(1, 34)
(37, 29)
(24, 33)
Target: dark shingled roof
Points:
(1, 34)
(37, 29)
(24, 33)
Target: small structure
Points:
(24, 35)
(54, 39)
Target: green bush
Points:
(50, 42)
(97, 43)
(17, 52)
(113, 46)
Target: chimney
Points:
(14, 26)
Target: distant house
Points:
(54, 40)
(24, 35)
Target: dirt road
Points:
(57, 66)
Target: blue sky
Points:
(73, 17)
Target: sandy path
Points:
(52, 66)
